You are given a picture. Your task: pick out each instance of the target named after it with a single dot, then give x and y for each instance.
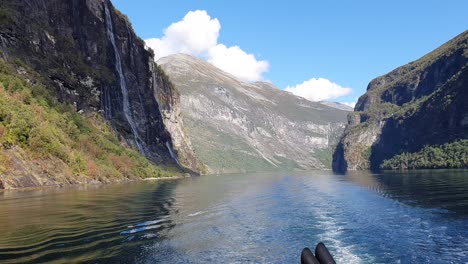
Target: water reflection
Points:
(443, 189)
(83, 224)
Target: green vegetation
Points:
(383, 110)
(450, 155)
(285, 163)
(7, 12)
(4, 17)
(410, 107)
(224, 152)
(367, 153)
(324, 155)
(33, 120)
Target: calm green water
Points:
(417, 217)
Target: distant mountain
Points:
(337, 105)
(236, 126)
(416, 116)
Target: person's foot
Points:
(322, 255)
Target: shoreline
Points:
(168, 178)
(94, 183)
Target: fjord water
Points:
(415, 217)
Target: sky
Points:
(321, 50)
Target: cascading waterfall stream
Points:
(3, 48)
(123, 84)
(171, 152)
(106, 104)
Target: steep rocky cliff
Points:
(423, 103)
(236, 126)
(86, 53)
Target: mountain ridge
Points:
(419, 105)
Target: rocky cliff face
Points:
(236, 126)
(421, 103)
(87, 51)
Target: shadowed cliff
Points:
(411, 112)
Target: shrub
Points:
(449, 155)
(45, 142)
(33, 119)
(123, 164)
(78, 162)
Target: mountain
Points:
(79, 92)
(416, 116)
(337, 105)
(236, 126)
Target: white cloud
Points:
(237, 62)
(197, 34)
(319, 89)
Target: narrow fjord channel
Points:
(416, 217)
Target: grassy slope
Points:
(33, 120)
(224, 152)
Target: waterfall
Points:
(106, 104)
(171, 152)
(4, 48)
(123, 84)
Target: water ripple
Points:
(417, 217)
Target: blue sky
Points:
(346, 42)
